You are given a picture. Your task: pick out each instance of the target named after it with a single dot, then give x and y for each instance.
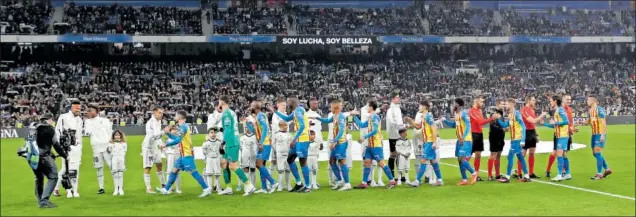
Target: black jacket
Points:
(496, 132)
(46, 140)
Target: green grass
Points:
(484, 198)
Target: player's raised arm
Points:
(250, 127)
(449, 123)
(176, 139)
(375, 122)
(325, 120)
(359, 123)
(299, 113)
(503, 123)
(564, 120)
(262, 123)
(466, 119)
(519, 120)
(287, 118)
(342, 123)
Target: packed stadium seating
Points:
(129, 89)
(18, 18)
(129, 86)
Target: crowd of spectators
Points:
(248, 20)
(128, 90)
(267, 19)
(20, 17)
(345, 21)
(129, 20)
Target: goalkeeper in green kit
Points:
(231, 155)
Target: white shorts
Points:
(75, 157)
(248, 159)
(151, 157)
(281, 163)
(212, 167)
(312, 163)
(171, 159)
(99, 158)
(403, 163)
(118, 163)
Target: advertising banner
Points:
(327, 40)
(119, 38)
(540, 39)
(242, 39)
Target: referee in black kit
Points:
(46, 167)
(496, 137)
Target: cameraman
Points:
(46, 166)
(71, 122)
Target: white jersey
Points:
(214, 120)
(153, 135)
(275, 121)
(68, 121)
(211, 149)
(314, 149)
(403, 146)
(248, 151)
(281, 141)
(315, 125)
(117, 152)
(99, 129)
(394, 121)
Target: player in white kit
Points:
(281, 140)
(349, 160)
(312, 159)
(316, 127)
(71, 121)
(211, 150)
(117, 151)
(403, 148)
(248, 155)
(150, 151)
(281, 104)
(172, 154)
(100, 130)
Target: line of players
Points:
(518, 123)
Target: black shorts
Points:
(496, 144)
(569, 143)
(531, 139)
(478, 142)
(392, 145)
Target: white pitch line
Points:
(565, 186)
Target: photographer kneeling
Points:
(41, 158)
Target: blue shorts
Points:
(515, 147)
(300, 149)
(264, 155)
(463, 150)
(339, 152)
(186, 164)
(596, 141)
(562, 143)
(375, 153)
(429, 152)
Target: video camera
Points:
(67, 139)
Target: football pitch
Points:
(613, 196)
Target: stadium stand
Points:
(127, 79)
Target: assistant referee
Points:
(476, 123)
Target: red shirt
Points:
(477, 120)
(568, 111)
(528, 112)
